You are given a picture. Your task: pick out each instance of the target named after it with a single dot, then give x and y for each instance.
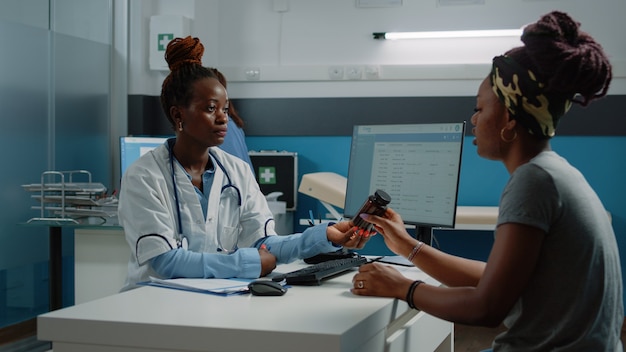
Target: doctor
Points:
(191, 210)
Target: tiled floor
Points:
(30, 344)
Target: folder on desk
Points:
(223, 287)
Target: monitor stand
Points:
(424, 234)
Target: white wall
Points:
(294, 50)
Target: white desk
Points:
(480, 218)
(476, 218)
(100, 262)
(319, 318)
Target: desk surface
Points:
(320, 318)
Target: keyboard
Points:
(324, 257)
(314, 274)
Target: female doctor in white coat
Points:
(191, 210)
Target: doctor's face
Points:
(205, 119)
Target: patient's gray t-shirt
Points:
(573, 301)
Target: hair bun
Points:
(567, 60)
(554, 27)
(182, 51)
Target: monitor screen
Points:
(131, 148)
(418, 165)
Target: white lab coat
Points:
(147, 210)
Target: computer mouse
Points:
(266, 288)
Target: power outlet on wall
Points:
(353, 72)
(335, 72)
(252, 73)
(371, 72)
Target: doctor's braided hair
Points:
(567, 60)
(184, 58)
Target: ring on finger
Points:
(360, 284)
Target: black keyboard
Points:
(314, 274)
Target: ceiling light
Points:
(449, 34)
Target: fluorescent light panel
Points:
(450, 34)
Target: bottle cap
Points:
(382, 197)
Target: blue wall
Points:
(600, 159)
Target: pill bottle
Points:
(375, 204)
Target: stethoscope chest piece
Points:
(184, 244)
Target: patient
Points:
(553, 276)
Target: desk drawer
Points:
(423, 332)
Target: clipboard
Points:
(221, 287)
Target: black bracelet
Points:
(409, 295)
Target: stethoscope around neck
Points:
(181, 240)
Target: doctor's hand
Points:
(268, 261)
(343, 233)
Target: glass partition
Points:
(54, 95)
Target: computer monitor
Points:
(418, 165)
(131, 148)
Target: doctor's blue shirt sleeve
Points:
(311, 242)
(245, 263)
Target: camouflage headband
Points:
(521, 93)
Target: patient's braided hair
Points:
(184, 58)
(568, 61)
